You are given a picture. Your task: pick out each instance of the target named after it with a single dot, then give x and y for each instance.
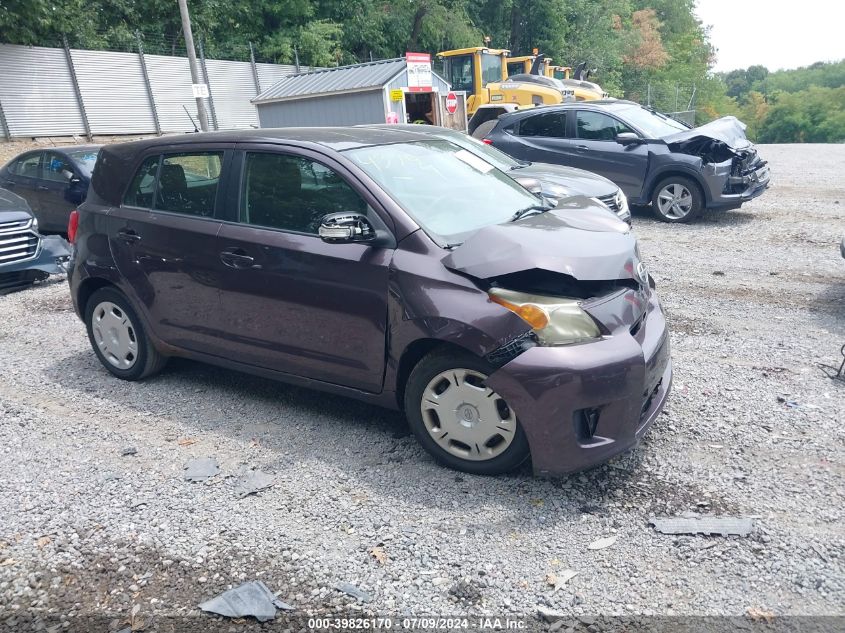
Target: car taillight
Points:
(486, 141)
(72, 226)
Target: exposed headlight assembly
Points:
(554, 320)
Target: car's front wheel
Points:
(458, 419)
(677, 199)
(118, 337)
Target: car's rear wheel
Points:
(118, 338)
(458, 419)
(677, 199)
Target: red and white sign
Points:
(451, 103)
(419, 71)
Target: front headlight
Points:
(555, 320)
(623, 213)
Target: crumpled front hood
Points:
(579, 238)
(728, 129)
(579, 181)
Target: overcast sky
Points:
(774, 33)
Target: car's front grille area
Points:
(611, 202)
(17, 242)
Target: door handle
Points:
(581, 148)
(42, 188)
(237, 258)
(128, 235)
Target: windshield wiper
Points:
(522, 164)
(534, 208)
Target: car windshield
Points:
(450, 192)
(495, 157)
(651, 124)
(84, 159)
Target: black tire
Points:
(148, 360)
(425, 371)
(696, 196)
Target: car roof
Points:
(598, 104)
(116, 163)
(337, 138)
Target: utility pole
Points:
(192, 60)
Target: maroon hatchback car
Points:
(383, 265)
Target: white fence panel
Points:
(36, 92)
(38, 98)
(114, 93)
(171, 81)
(232, 87)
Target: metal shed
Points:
(354, 95)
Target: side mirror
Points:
(628, 138)
(532, 184)
(346, 227)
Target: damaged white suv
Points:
(653, 158)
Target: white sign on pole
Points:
(200, 91)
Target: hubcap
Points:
(465, 417)
(114, 335)
(674, 201)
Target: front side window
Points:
(651, 124)
(292, 193)
(459, 72)
(188, 183)
(595, 126)
(56, 168)
(550, 124)
(141, 189)
(450, 192)
(26, 166)
(491, 68)
(85, 159)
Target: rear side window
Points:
(595, 126)
(550, 124)
(293, 193)
(26, 166)
(188, 183)
(56, 168)
(142, 187)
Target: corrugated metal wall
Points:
(229, 82)
(109, 109)
(170, 78)
(37, 93)
(341, 109)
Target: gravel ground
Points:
(753, 428)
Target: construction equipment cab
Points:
(482, 73)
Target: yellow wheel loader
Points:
(482, 73)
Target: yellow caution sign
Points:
(396, 95)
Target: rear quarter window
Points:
(142, 187)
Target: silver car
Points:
(555, 181)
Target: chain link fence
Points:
(676, 100)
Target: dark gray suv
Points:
(653, 158)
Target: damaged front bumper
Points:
(732, 182)
(51, 257)
(580, 405)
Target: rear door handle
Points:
(237, 258)
(581, 148)
(128, 235)
(42, 188)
